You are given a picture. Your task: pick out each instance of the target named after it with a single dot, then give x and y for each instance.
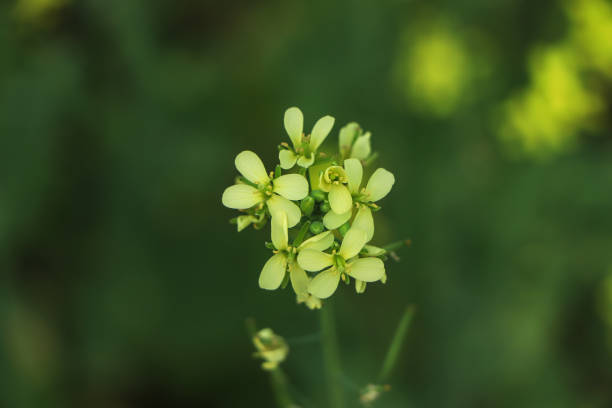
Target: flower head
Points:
(353, 143)
(304, 147)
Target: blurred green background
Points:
(123, 285)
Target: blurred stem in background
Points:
(281, 388)
(331, 356)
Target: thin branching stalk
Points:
(331, 357)
(396, 344)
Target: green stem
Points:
(281, 388)
(396, 344)
(331, 356)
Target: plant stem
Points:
(396, 344)
(331, 356)
(281, 388)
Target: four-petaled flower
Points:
(304, 146)
(284, 258)
(339, 264)
(262, 189)
(352, 143)
(378, 186)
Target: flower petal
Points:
(371, 250)
(364, 221)
(291, 186)
(278, 204)
(331, 220)
(354, 173)
(320, 131)
(306, 162)
(379, 184)
(294, 125)
(340, 199)
(361, 148)
(241, 196)
(360, 286)
(347, 137)
(325, 283)
(352, 243)
(251, 167)
(320, 242)
(313, 260)
(366, 269)
(273, 272)
(299, 281)
(287, 159)
(280, 235)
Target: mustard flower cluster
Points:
(318, 207)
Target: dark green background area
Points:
(123, 284)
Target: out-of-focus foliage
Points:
(564, 96)
(434, 67)
(124, 286)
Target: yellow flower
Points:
(304, 147)
(354, 144)
(275, 269)
(262, 189)
(343, 263)
(378, 186)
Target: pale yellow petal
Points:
(340, 199)
(291, 186)
(354, 173)
(365, 222)
(241, 197)
(320, 131)
(325, 283)
(299, 281)
(361, 148)
(347, 137)
(331, 220)
(366, 269)
(313, 260)
(278, 204)
(360, 286)
(379, 184)
(294, 125)
(273, 272)
(306, 161)
(319, 242)
(280, 235)
(287, 159)
(352, 243)
(251, 167)
(371, 250)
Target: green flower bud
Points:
(318, 195)
(325, 207)
(317, 227)
(344, 228)
(307, 205)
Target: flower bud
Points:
(344, 228)
(325, 207)
(307, 205)
(270, 347)
(317, 227)
(318, 195)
